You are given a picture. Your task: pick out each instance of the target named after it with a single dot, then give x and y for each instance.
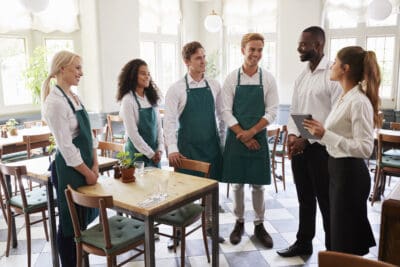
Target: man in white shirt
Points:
(195, 102)
(313, 94)
(250, 104)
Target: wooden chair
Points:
(188, 214)
(30, 124)
(111, 236)
(387, 163)
(25, 203)
(34, 141)
(281, 153)
(108, 149)
(110, 135)
(395, 126)
(337, 259)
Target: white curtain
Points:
(258, 15)
(158, 14)
(60, 15)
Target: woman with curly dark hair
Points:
(139, 111)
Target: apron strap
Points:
(137, 101)
(261, 83)
(238, 77)
(69, 101)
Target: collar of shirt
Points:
(323, 64)
(193, 83)
(348, 95)
(242, 71)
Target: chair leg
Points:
(46, 232)
(376, 184)
(110, 261)
(283, 172)
(28, 238)
(10, 226)
(227, 190)
(274, 174)
(78, 254)
(175, 235)
(203, 229)
(183, 246)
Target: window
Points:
(250, 16)
(159, 40)
(382, 37)
(55, 45)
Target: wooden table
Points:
(182, 189)
(389, 242)
(37, 171)
(13, 144)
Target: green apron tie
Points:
(148, 130)
(198, 137)
(68, 175)
(242, 165)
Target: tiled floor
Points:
(281, 222)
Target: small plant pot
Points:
(127, 175)
(13, 132)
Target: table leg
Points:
(215, 228)
(14, 228)
(149, 242)
(52, 223)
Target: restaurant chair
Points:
(281, 153)
(338, 259)
(387, 162)
(111, 236)
(109, 149)
(25, 203)
(34, 141)
(30, 124)
(185, 216)
(111, 134)
(394, 126)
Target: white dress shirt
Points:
(63, 125)
(314, 93)
(175, 102)
(129, 112)
(349, 128)
(271, 98)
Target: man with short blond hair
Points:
(250, 103)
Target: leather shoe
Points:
(237, 233)
(209, 233)
(296, 250)
(263, 236)
(173, 241)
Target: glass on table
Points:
(139, 168)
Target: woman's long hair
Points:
(127, 81)
(61, 59)
(364, 69)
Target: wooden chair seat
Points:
(182, 216)
(338, 259)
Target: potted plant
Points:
(36, 72)
(126, 166)
(10, 124)
(52, 147)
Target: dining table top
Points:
(386, 131)
(139, 197)
(38, 167)
(18, 139)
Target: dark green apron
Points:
(242, 165)
(148, 130)
(68, 175)
(198, 137)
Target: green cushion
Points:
(123, 232)
(390, 161)
(7, 158)
(35, 199)
(118, 136)
(181, 216)
(392, 152)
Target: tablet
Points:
(298, 120)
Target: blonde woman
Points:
(76, 160)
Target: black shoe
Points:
(263, 236)
(171, 241)
(237, 233)
(296, 250)
(209, 233)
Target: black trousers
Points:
(310, 172)
(349, 188)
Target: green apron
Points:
(242, 165)
(148, 130)
(68, 175)
(198, 137)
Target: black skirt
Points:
(349, 188)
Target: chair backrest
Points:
(35, 141)
(107, 148)
(196, 165)
(285, 136)
(30, 124)
(385, 141)
(17, 172)
(275, 135)
(335, 259)
(84, 200)
(395, 126)
(109, 131)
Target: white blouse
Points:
(63, 125)
(175, 102)
(349, 128)
(129, 112)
